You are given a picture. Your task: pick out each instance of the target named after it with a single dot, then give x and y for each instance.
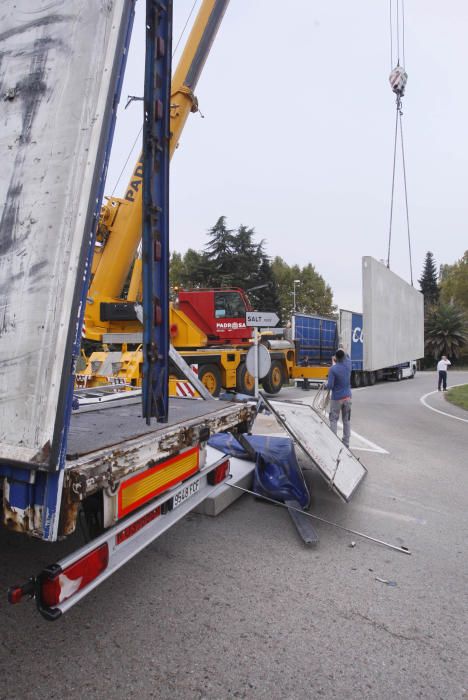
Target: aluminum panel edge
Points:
(57, 70)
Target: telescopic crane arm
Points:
(120, 227)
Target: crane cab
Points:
(219, 313)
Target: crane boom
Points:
(121, 219)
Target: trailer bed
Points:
(113, 441)
(110, 425)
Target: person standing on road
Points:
(442, 369)
(339, 382)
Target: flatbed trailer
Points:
(126, 469)
(127, 483)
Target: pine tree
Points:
(428, 282)
(246, 258)
(219, 254)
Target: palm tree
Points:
(445, 331)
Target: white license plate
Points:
(185, 493)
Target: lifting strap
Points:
(398, 79)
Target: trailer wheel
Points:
(210, 376)
(372, 378)
(356, 380)
(273, 382)
(245, 383)
(364, 378)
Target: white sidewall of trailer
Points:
(393, 322)
(56, 68)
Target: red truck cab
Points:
(219, 313)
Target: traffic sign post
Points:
(256, 362)
(258, 319)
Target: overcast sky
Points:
(297, 135)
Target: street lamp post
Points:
(294, 294)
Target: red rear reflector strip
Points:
(74, 577)
(137, 525)
(219, 474)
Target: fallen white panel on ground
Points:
(60, 63)
(340, 468)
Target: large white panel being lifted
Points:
(59, 67)
(393, 313)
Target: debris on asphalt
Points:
(386, 581)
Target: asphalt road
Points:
(238, 607)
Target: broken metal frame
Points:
(402, 549)
(329, 479)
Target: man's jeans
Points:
(442, 379)
(345, 407)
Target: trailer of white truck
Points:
(383, 342)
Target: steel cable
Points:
(393, 185)
(398, 86)
(406, 194)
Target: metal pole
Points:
(256, 362)
(400, 548)
(294, 294)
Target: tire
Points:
(273, 382)
(364, 378)
(372, 378)
(210, 376)
(356, 380)
(245, 383)
(399, 375)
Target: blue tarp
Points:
(277, 473)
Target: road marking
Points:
(371, 446)
(436, 410)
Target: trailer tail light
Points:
(57, 584)
(219, 474)
(17, 593)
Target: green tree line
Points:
(445, 309)
(232, 258)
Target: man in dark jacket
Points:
(339, 381)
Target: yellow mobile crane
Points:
(112, 319)
(119, 232)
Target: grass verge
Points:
(458, 395)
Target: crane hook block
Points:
(398, 78)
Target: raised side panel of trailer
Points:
(60, 76)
